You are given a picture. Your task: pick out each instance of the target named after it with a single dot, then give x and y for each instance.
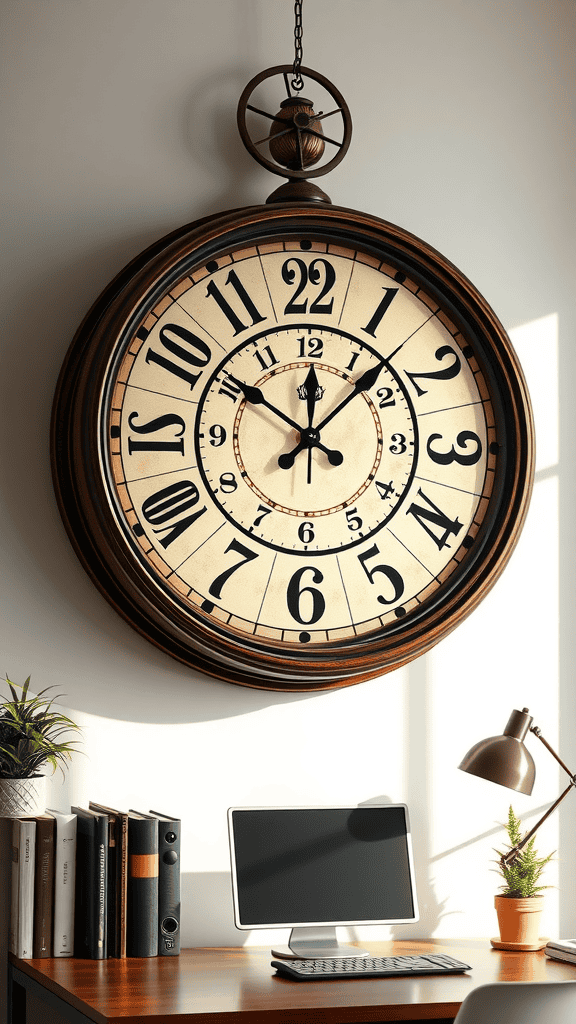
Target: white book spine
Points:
(22, 897)
(64, 882)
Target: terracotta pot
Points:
(22, 798)
(519, 921)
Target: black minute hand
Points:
(364, 383)
(255, 397)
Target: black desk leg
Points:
(16, 1002)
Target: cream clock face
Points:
(299, 442)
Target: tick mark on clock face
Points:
(304, 638)
(138, 530)
(305, 244)
(207, 606)
(212, 266)
(468, 541)
(115, 432)
(142, 333)
(400, 277)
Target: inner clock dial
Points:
(294, 437)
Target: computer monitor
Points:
(314, 868)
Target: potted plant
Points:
(520, 903)
(32, 735)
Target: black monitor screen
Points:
(322, 865)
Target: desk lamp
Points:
(506, 761)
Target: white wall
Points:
(121, 126)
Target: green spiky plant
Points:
(33, 734)
(522, 875)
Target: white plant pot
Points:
(22, 798)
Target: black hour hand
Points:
(255, 397)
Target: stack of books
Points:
(561, 949)
(95, 883)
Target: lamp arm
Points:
(537, 732)
(509, 857)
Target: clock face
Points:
(302, 450)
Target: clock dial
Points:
(300, 447)
(301, 441)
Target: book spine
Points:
(91, 877)
(169, 888)
(64, 883)
(122, 888)
(43, 886)
(22, 897)
(142, 935)
(83, 923)
(560, 954)
(100, 936)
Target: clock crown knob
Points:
(292, 142)
(298, 147)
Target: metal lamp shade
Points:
(504, 759)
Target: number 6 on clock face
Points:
(313, 447)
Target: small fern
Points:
(33, 734)
(523, 873)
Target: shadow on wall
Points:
(215, 144)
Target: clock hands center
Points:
(309, 436)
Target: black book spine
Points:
(169, 887)
(100, 943)
(90, 923)
(142, 930)
(83, 916)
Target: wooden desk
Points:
(238, 986)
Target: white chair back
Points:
(520, 1002)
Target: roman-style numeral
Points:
(168, 420)
(436, 518)
(230, 389)
(383, 305)
(227, 309)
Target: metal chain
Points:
(297, 81)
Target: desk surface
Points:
(238, 986)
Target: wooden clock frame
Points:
(99, 538)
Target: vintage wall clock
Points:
(292, 444)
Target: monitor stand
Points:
(318, 943)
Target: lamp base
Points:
(520, 947)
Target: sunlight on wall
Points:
(508, 653)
